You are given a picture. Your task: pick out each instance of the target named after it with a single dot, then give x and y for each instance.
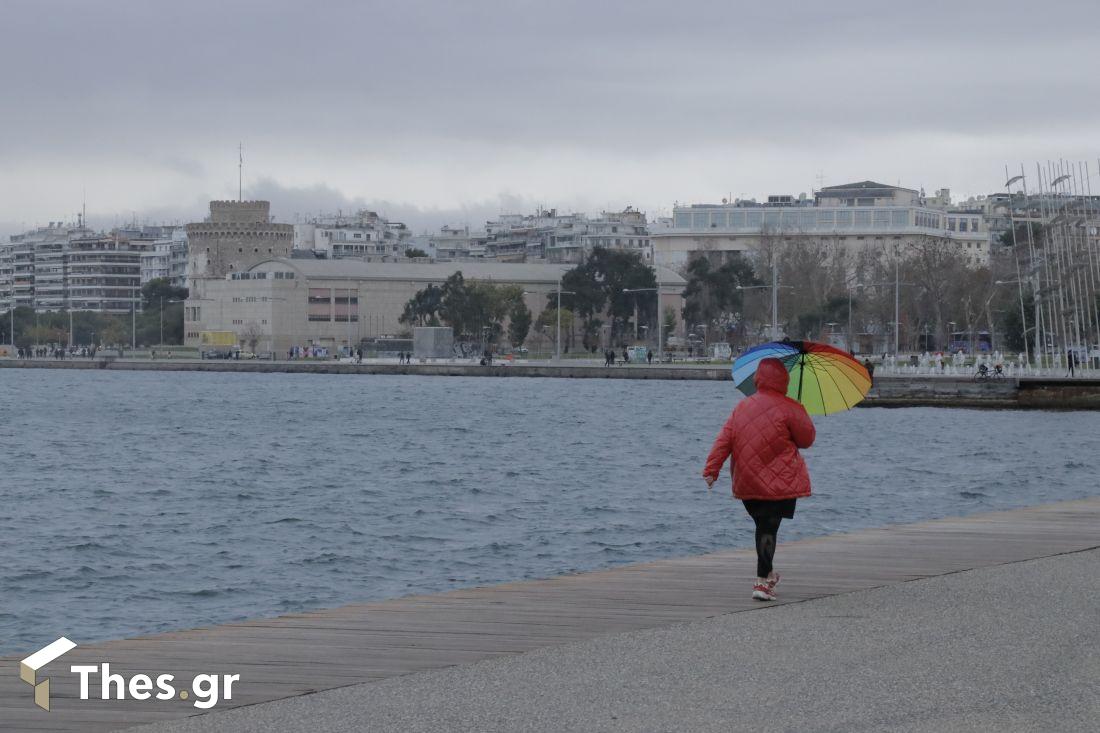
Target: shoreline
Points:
(890, 390)
(297, 654)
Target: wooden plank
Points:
(363, 642)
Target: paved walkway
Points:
(310, 652)
(1009, 648)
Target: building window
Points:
(320, 304)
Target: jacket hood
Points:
(771, 376)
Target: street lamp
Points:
(162, 302)
(660, 326)
(897, 300)
(703, 326)
(774, 287)
(557, 344)
(1023, 316)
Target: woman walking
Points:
(763, 436)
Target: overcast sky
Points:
(449, 112)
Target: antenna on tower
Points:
(84, 207)
(240, 172)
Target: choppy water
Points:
(140, 502)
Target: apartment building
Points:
(70, 267)
(857, 216)
(363, 235)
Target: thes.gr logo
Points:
(28, 669)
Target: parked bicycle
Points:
(984, 372)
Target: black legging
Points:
(767, 528)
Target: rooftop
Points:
(437, 271)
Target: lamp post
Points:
(557, 344)
(660, 326)
(1023, 313)
(162, 302)
(897, 300)
(775, 301)
(851, 335)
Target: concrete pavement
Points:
(1009, 648)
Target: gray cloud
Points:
(444, 105)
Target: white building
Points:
(546, 236)
(856, 216)
(70, 267)
(166, 258)
(364, 235)
(287, 302)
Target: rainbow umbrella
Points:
(824, 379)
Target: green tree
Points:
(547, 324)
(415, 252)
(519, 323)
(1017, 328)
(669, 322)
(114, 333)
(711, 296)
(598, 284)
(423, 308)
(158, 289)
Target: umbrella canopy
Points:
(824, 379)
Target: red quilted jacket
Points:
(763, 434)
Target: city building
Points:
(864, 215)
(288, 302)
(166, 257)
(546, 235)
(235, 236)
(364, 235)
(70, 267)
(104, 274)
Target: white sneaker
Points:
(762, 591)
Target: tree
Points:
(114, 333)
(251, 335)
(547, 324)
(711, 296)
(160, 290)
(415, 252)
(519, 323)
(599, 282)
(474, 310)
(1017, 328)
(669, 322)
(423, 308)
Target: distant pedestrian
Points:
(762, 437)
(626, 356)
(1071, 362)
(870, 367)
(649, 355)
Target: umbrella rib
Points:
(801, 377)
(840, 391)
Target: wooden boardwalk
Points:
(307, 652)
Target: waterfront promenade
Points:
(890, 390)
(690, 679)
